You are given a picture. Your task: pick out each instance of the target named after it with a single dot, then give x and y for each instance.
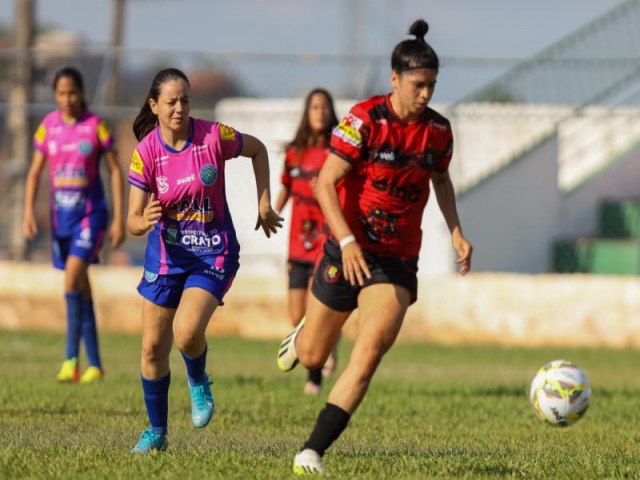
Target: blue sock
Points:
(90, 333)
(156, 397)
(195, 367)
(74, 323)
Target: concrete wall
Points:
(513, 217)
(562, 310)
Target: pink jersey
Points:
(73, 152)
(195, 226)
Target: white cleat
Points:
(287, 355)
(307, 462)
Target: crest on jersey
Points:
(150, 276)
(208, 174)
(332, 274)
(85, 147)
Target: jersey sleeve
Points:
(105, 139)
(285, 179)
(230, 141)
(39, 138)
(443, 156)
(139, 171)
(348, 139)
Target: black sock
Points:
(315, 375)
(331, 423)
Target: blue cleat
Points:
(150, 441)
(202, 406)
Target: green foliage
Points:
(431, 411)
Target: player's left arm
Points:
(446, 197)
(116, 232)
(268, 219)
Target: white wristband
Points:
(346, 241)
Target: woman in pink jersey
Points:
(178, 196)
(72, 140)
(304, 158)
(373, 188)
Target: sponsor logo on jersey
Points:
(103, 133)
(192, 210)
(349, 130)
(150, 276)
(84, 240)
(136, 163)
(205, 242)
(208, 174)
(68, 147)
(40, 134)
(68, 200)
(216, 272)
(163, 184)
(53, 147)
(295, 172)
(72, 176)
(199, 149)
(85, 147)
(161, 160)
(385, 156)
(227, 133)
(189, 179)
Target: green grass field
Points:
(431, 411)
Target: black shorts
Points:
(299, 274)
(332, 289)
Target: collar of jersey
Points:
(186, 144)
(78, 120)
(387, 101)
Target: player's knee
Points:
(154, 352)
(310, 357)
(185, 339)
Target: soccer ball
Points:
(560, 393)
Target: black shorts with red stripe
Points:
(333, 290)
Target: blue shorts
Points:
(84, 242)
(166, 290)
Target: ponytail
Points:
(145, 121)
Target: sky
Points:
(497, 30)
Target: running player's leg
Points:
(203, 293)
(381, 311)
(74, 272)
(157, 338)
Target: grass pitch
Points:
(432, 411)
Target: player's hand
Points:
(354, 266)
(269, 220)
(116, 234)
(464, 250)
(152, 212)
(29, 226)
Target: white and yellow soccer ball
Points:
(560, 393)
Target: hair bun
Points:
(419, 28)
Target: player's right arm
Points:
(353, 263)
(144, 211)
(29, 225)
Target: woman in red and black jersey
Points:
(373, 189)
(304, 158)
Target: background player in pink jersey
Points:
(304, 158)
(73, 139)
(373, 189)
(178, 195)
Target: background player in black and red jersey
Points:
(373, 189)
(304, 158)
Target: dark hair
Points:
(75, 76)
(146, 119)
(415, 53)
(304, 134)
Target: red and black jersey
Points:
(306, 236)
(384, 195)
